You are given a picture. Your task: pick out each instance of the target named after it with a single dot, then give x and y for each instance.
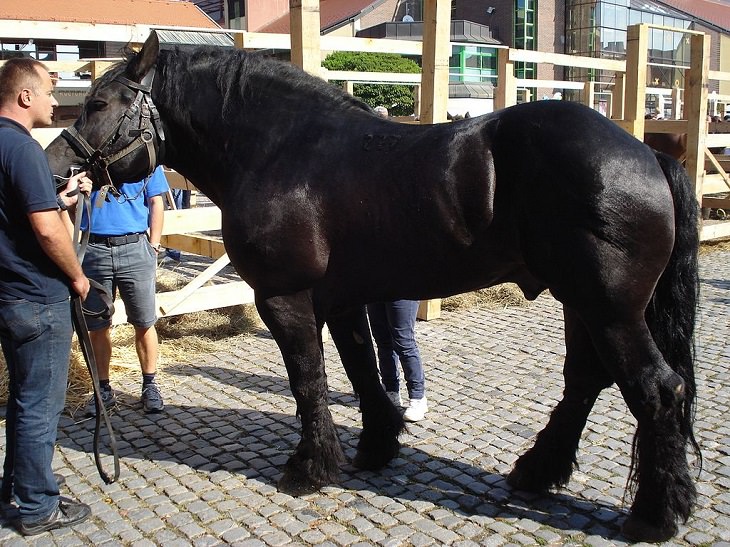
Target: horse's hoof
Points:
(371, 461)
(519, 480)
(296, 487)
(636, 529)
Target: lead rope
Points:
(78, 317)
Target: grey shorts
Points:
(129, 269)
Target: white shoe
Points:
(416, 410)
(394, 397)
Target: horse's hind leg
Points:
(550, 462)
(655, 396)
(382, 423)
(316, 460)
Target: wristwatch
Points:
(60, 203)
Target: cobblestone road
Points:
(204, 472)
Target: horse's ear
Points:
(145, 59)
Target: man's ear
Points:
(25, 97)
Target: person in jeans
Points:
(122, 256)
(393, 326)
(38, 271)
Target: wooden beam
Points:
(436, 53)
(305, 48)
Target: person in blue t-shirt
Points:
(122, 256)
(38, 269)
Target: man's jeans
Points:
(36, 341)
(393, 326)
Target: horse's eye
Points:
(97, 104)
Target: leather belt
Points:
(115, 241)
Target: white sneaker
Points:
(416, 410)
(394, 397)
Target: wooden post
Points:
(349, 87)
(436, 53)
(506, 92)
(434, 89)
(305, 50)
(589, 94)
(617, 97)
(637, 44)
(695, 108)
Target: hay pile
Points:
(181, 338)
(499, 296)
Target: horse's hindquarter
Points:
(592, 204)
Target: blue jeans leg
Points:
(387, 359)
(401, 315)
(36, 341)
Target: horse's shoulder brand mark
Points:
(380, 143)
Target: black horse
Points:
(327, 207)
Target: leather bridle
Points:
(142, 113)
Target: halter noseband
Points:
(149, 125)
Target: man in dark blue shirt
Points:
(38, 268)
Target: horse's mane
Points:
(239, 74)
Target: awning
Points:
(194, 37)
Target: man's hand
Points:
(81, 286)
(78, 181)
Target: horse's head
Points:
(119, 136)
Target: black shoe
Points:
(67, 513)
(6, 493)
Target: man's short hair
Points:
(16, 74)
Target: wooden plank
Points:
(665, 126)
(717, 167)
(714, 184)
(195, 244)
(264, 40)
(210, 297)
(717, 230)
(716, 203)
(371, 77)
(561, 59)
(183, 294)
(197, 219)
(717, 140)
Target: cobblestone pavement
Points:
(204, 471)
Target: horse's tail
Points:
(672, 310)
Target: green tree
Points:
(398, 99)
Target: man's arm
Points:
(53, 236)
(157, 211)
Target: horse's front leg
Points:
(316, 461)
(382, 423)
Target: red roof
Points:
(716, 12)
(331, 12)
(176, 13)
